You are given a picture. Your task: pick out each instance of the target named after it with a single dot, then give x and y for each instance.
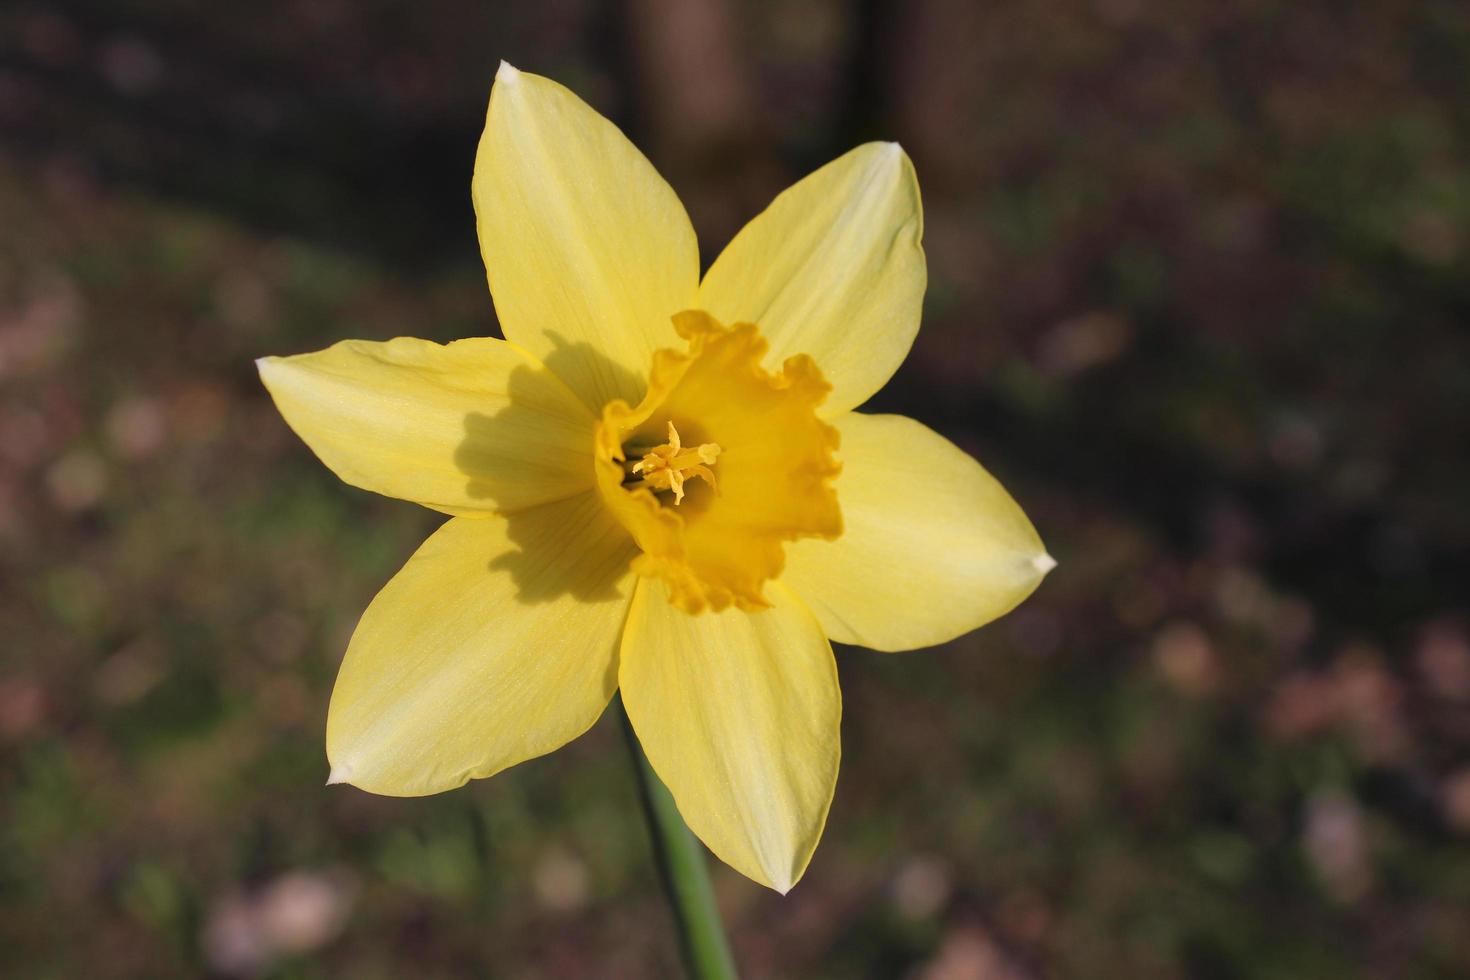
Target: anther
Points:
(666, 467)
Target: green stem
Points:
(681, 863)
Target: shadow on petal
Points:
(569, 546)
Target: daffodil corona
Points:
(657, 483)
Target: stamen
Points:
(666, 467)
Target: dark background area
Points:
(1198, 296)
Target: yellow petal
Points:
(587, 249)
(497, 642)
(739, 715)
(833, 268)
(932, 546)
(473, 427)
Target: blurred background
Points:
(1198, 296)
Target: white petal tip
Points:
(781, 883)
(339, 775)
(274, 369)
(887, 158)
(507, 73)
(1044, 563)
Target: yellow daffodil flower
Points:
(657, 483)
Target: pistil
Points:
(666, 467)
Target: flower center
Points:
(666, 467)
(776, 461)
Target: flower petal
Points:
(739, 715)
(497, 642)
(473, 427)
(833, 268)
(932, 545)
(587, 249)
